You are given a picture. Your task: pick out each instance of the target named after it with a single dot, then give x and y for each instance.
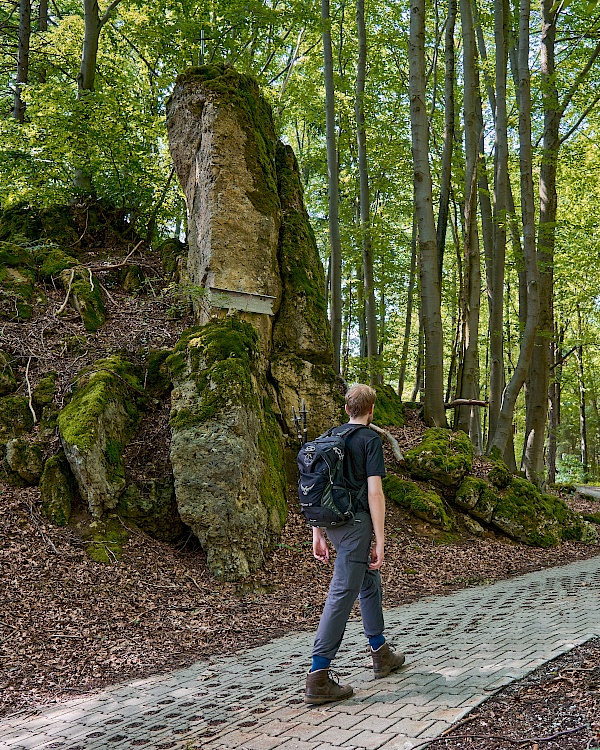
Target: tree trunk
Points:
(365, 200)
(554, 401)
(418, 386)
(537, 386)
(22, 76)
(435, 413)
(446, 176)
(409, 308)
(469, 373)
(503, 430)
(333, 189)
(582, 416)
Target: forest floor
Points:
(70, 626)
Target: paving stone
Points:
(475, 641)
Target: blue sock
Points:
(376, 641)
(319, 662)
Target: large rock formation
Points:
(252, 252)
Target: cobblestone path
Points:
(460, 648)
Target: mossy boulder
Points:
(105, 539)
(529, 516)
(156, 372)
(173, 256)
(226, 448)
(478, 498)
(424, 504)
(17, 282)
(85, 296)
(57, 489)
(443, 457)
(8, 381)
(500, 475)
(43, 393)
(25, 459)
(389, 410)
(151, 505)
(53, 261)
(16, 418)
(97, 424)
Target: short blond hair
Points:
(359, 400)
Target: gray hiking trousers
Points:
(351, 578)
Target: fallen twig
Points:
(390, 439)
(38, 527)
(29, 394)
(64, 304)
(8, 625)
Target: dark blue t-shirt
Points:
(363, 458)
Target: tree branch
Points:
(388, 437)
(108, 11)
(572, 91)
(586, 112)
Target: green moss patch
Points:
(105, 540)
(172, 252)
(477, 497)
(113, 380)
(8, 381)
(15, 418)
(57, 488)
(43, 393)
(53, 262)
(424, 504)
(443, 457)
(85, 296)
(219, 357)
(273, 482)
(500, 475)
(389, 411)
(17, 282)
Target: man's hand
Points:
(376, 556)
(320, 548)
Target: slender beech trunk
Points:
(418, 386)
(505, 418)
(554, 401)
(583, 439)
(446, 176)
(333, 189)
(469, 379)
(409, 308)
(42, 25)
(22, 76)
(538, 381)
(434, 411)
(365, 199)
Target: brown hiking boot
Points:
(385, 661)
(320, 688)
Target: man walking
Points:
(356, 569)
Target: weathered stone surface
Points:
(478, 498)
(96, 425)
(222, 141)
(17, 280)
(25, 459)
(226, 448)
(57, 487)
(8, 382)
(424, 504)
(151, 505)
(173, 256)
(443, 457)
(43, 393)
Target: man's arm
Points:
(377, 510)
(320, 548)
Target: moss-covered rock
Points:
(226, 448)
(8, 381)
(443, 457)
(151, 505)
(527, 515)
(17, 282)
(57, 488)
(25, 459)
(389, 411)
(43, 393)
(85, 296)
(16, 418)
(53, 262)
(500, 475)
(424, 504)
(477, 497)
(156, 372)
(173, 256)
(97, 424)
(25, 222)
(105, 540)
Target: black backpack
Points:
(325, 498)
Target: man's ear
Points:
(347, 410)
